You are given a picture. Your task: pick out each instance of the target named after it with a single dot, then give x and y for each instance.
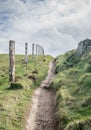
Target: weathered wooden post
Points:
(36, 49)
(40, 50)
(26, 54)
(11, 61)
(43, 51)
(33, 52)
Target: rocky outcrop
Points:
(84, 47)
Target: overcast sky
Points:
(57, 25)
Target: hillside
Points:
(15, 98)
(69, 77)
(73, 87)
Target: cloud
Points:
(56, 25)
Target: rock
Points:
(83, 47)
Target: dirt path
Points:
(42, 112)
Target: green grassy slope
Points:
(73, 86)
(14, 101)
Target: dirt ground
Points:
(42, 111)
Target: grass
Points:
(73, 87)
(15, 97)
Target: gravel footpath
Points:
(42, 111)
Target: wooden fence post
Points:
(33, 52)
(26, 54)
(36, 49)
(12, 61)
(43, 51)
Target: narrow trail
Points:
(42, 112)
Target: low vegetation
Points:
(15, 97)
(73, 87)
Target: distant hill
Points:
(73, 87)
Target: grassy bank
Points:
(15, 98)
(73, 87)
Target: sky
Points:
(57, 25)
